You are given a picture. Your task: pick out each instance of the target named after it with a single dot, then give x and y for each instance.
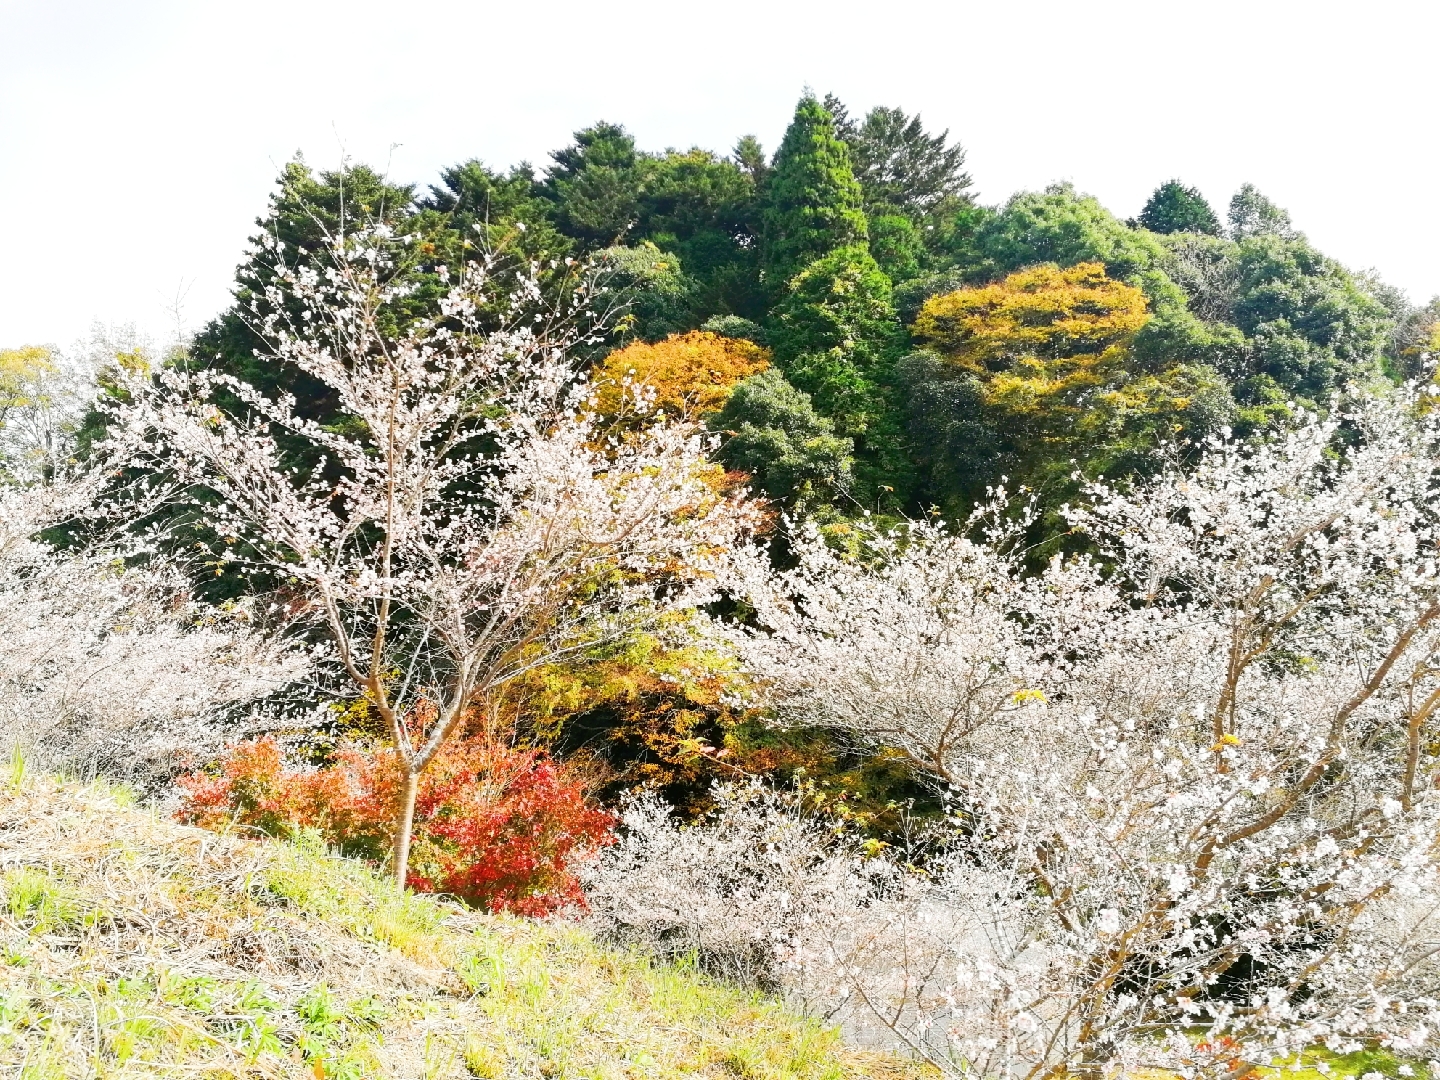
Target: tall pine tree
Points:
(813, 203)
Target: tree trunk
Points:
(400, 864)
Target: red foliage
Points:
(494, 825)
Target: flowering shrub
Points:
(768, 892)
(496, 826)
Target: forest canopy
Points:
(846, 255)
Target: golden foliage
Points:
(1049, 346)
(20, 373)
(1043, 313)
(688, 374)
(659, 713)
(646, 712)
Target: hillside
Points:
(133, 946)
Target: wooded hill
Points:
(923, 345)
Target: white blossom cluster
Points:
(1194, 771)
(746, 894)
(114, 669)
(767, 892)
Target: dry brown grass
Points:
(132, 946)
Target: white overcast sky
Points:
(139, 138)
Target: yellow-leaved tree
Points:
(38, 409)
(1050, 354)
(21, 373)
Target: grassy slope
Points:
(131, 946)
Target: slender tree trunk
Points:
(400, 864)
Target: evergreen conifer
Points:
(814, 203)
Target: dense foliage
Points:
(685, 375)
(1177, 208)
(828, 252)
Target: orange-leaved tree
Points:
(686, 375)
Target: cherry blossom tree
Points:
(1194, 772)
(466, 519)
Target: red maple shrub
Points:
(495, 825)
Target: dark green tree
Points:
(1208, 269)
(1176, 208)
(899, 164)
(702, 208)
(951, 235)
(845, 127)
(500, 211)
(897, 246)
(909, 177)
(1175, 335)
(306, 208)
(1062, 226)
(1312, 326)
(605, 195)
(772, 431)
(953, 444)
(836, 336)
(595, 185)
(910, 296)
(813, 203)
(750, 156)
(647, 289)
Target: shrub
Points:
(495, 825)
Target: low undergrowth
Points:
(131, 946)
(496, 826)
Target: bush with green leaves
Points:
(771, 431)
